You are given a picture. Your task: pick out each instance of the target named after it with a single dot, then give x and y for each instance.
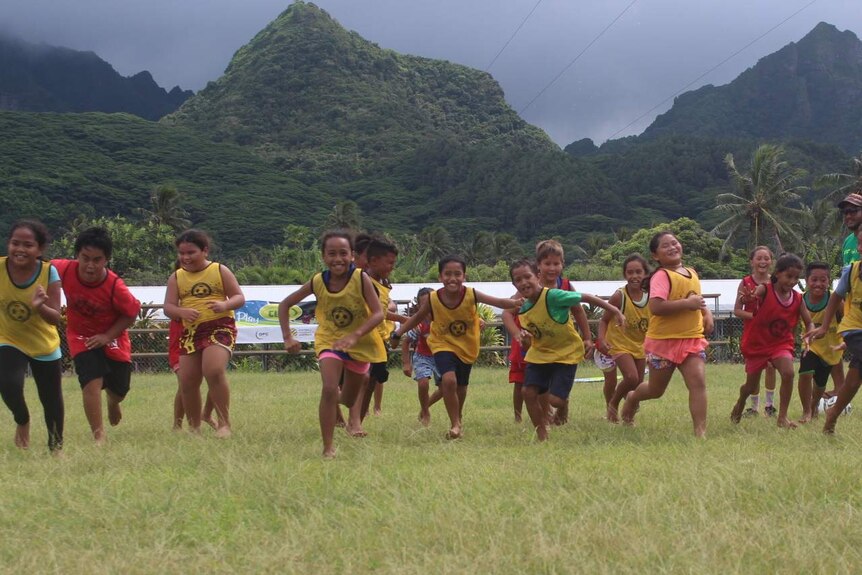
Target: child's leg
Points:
(91, 393)
(49, 376)
(806, 395)
(610, 385)
(659, 378)
(330, 375)
(436, 396)
(422, 386)
(842, 400)
(207, 415)
(747, 389)
(179, 412)
(784, 367)
(517, 399)
(769, 409)
(191, 376)
(214, 369)
(632, 371)
(534, 409)
(449, 389)
(13, 367)
(378, 399)
(837, 377)
(693, 371)
(358, 408)
(462, 399)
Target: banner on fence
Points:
(257, 322)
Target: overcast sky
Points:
(652, 51)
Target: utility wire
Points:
(572, 63)
(675, 94)
(512, 37)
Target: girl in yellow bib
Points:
(454, 334)
(622, 347)
(347, 313)
(548, 334)
(29, 315)
(675, 337)
(203, 294)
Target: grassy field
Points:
(596, 498)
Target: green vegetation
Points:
(597, 498)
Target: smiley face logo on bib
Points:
(18, 311)
(341, 317)
(458, 328)
(201, 289)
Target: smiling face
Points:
(192, 257)
(852, 216)
(92, 264)
(817, 282)
(23, 248)
(337, 255)
(787, 279)
(635, 274)
(761, 262)
(668, 252)
(550, 270)
(526, 282)
(452, 276)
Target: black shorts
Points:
(379, 373)
(556, 378)
(854, 348)
(813, 363)
(116, 375)
(447, 361)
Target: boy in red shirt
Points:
(99, 310)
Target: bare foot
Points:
(115, 414)
(356, 431)
(329, 453)
(829, 424)
(100, 437)
(542, 433)
(378, 411)
(223, 432)
(58, 454)
(339, 419)
(806, 417)
(209, 421)
(629, 410)
(736, 412)
(454, 433)
(22, 436)
(178, 425)
(425, 418)
(786, 423)
(612, 416)
(518, 417)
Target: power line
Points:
(572, 63)
(642, 116)
(512, 37)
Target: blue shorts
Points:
(447, 361)
(556, 378)
(424, 367)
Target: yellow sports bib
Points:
(629, 338)
(852, 302)
(21, 326)
(823, 347)
(455, 329)
(685, 324)
(552, 342)
(198, 289)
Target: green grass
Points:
(596, 498)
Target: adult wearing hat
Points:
(851, 210)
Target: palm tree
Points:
(819, 230)
(851, 182)
(345, 215)
(166, 208)
(760, 203)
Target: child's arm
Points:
(616, 300)
(659, 306)
(374, 318)
(118, 327)
(172, 299)
(708, 321)
(835, 301)
(502, 303)
(743, 296)
(406, 359)
(583, 324)
(508, 318)
(47, 303)
(393, 315)
(609, 308)
(290, 344)
(806, 317)
(412, 321)
(235, 297)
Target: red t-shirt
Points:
(423, 329)
(93, 309)
(174, 334)
(773, 325)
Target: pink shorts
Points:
(757, 363)
(349, 363)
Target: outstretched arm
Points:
(290, 344)
(413, 321)
(503, 303)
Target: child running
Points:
(30, 304)
(824, 356)
(549, 337)
(623, 346)
(770, 335)
(203, 294)
(454, 337)
(760, 261)
(849, 292)
(675, 337)
(421, 365)
(99, 310)
(348, 311)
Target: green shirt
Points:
(850, 251)
(559, 303)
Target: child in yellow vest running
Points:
(622, 347)
(29, 316)
(849, 292)
(675, 337)
(347, 313)
(760, 261)
(824, 357)
(548, 335)
(454, 336)
(203, 294)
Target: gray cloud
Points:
(657, 47)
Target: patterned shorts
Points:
(658, 362)
(220, 332)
